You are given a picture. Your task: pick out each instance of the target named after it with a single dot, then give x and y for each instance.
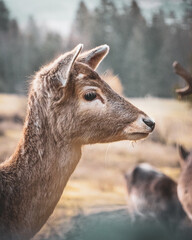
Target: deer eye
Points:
(90, 96)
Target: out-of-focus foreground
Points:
(97, 183)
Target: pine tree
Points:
(82, 26)
(136, 66)
(187, 19)
(4, 16)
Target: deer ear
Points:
(94, 56)
(183, 154)
(66, 62)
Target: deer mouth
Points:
(134, 136)
(137, 135)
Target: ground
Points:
(97, 183)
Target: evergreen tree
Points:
(136, 66)
(82, 26)
(187, 19)
(4, 16)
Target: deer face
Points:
(85, 107)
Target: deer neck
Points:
(39, 169)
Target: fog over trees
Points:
(141, 52)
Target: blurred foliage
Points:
(141, 52)
(23, 52)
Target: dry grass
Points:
(12, 104)
(98, 182)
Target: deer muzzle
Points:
(140, 128)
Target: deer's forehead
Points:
(89, 78)
(85, 76)
(81, 68)
(89, 82)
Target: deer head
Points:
(81, 107)
(153, 195)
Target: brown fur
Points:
(185, 181)
(59, 121)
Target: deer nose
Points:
(149, 123)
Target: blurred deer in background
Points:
(185, 179)
(152, 196)
(69, 105)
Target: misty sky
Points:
(58, 14)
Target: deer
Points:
(69, 106)
(185, 180)
(152, 196)
(184, 187)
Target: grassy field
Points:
(97, 184)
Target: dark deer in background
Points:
(153, 196)
(69, 105)
(185, 180)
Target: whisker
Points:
(106, 152)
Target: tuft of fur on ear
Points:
(65, 63)
(183, 154)
(94, 56)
